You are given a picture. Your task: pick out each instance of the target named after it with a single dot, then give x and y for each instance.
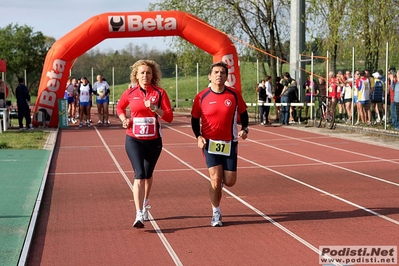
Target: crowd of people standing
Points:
(79, 94)
(364, 90)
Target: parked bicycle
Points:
(325, 115)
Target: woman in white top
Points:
(101, 90)
(85, 92)
(269, 97)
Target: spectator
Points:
(286, 81)
(70, 91)
(347, 95)
(363, 86)
(269, 97)
(23, 99)
(262, 99)
(288, 95)
(332, 89)
(277, 97)
(2, 93)
(76, 85)
(394, 95)
(309, 93)
(85, 93)
(101, 90)
(376, 97)
(340, 96)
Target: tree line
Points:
(336, 26)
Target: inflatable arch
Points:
(121, 25)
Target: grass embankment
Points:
(26, 140)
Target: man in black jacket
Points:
(289, 95)
(23, 99)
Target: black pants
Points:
(24, 112)
(143, 155)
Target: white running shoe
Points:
(145, 212)
(216, 219)
(139, 223)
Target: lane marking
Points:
(269, 219)
(159, 232)
(332, 147)
(326, 163)
(303, 183)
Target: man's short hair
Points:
(219, 64)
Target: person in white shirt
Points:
(101, 90)
(85, 93)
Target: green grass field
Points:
(25, 140)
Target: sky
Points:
(55, 18)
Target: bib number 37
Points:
(219, 147)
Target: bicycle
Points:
(325, 115)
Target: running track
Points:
(296, 191)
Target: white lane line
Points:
(286, 230)
(165, 242)
(308, 185)
(332, 147)
(326, 163)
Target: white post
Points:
(257, 71)
(327, 70)
(386, 86)
(177, 90)
(197, 78)
(311, 88)
(113, 85)
(353, 84)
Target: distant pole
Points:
(297, 42)
(197, 78)
(386, 86)
(113, 85)
(177, 89)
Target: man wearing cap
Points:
(376, 97)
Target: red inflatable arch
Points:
(121, 25)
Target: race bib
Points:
(144, 126)
(219, 147)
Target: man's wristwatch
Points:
(245, 129)
(155, 109)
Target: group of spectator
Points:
(285, 91)
(79, 93)
(365, 90)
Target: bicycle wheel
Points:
(330, 119)
(319, 120)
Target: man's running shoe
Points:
(88, 124)
(216, 219)
(99, 123)
(145, 212)
(81, 124)
(139, 223)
